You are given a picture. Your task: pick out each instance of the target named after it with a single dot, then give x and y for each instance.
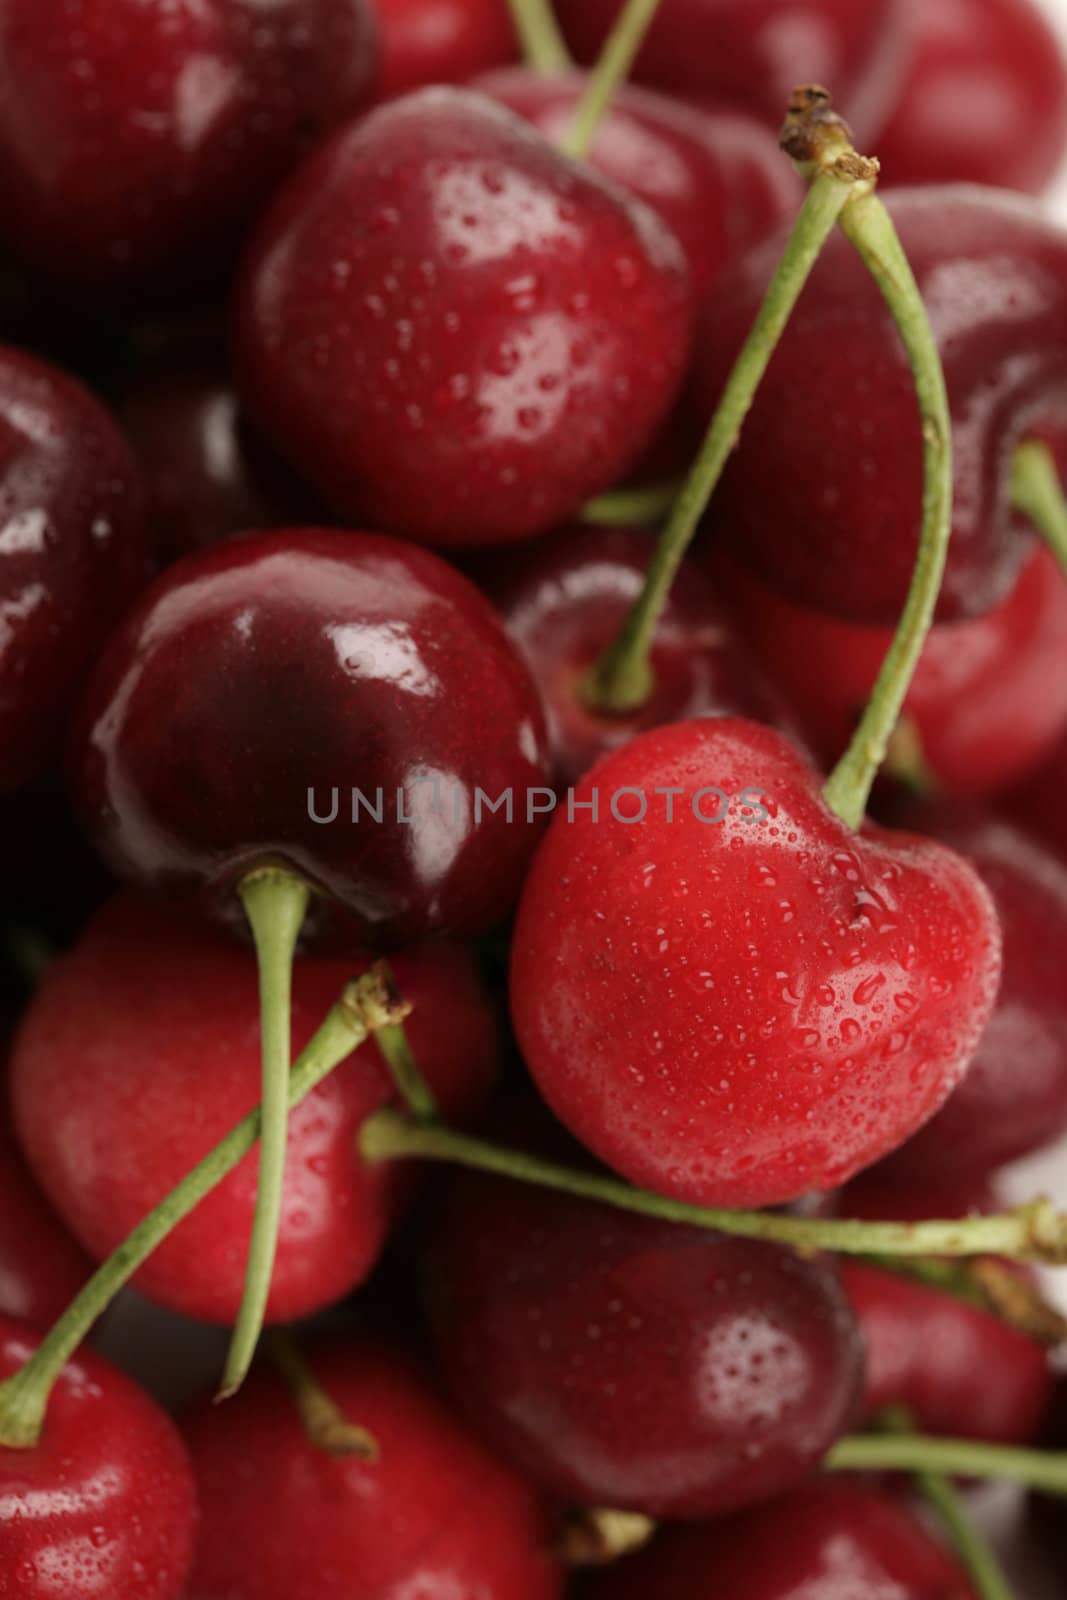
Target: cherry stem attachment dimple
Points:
(1036, 491)
(609, 74)
(275, 903)
(542, 41)
(1045, 1470)
(324, 1422)
(366, 1005)
(639, 507)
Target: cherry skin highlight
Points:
(138, 141)
(737, 1012)
(105, 1502)
(822, 497)
(453, 330)
(434, 1516)
(258, 684)
(424, 42)
(140, 1050)
(72, 551)
(41, 1267)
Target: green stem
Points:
(962, 1458)
(1034, 1232)
(542, 42)
(609, 74)
(632, 508)
(275, 903)
(366, 1005)
(1037, 492)
(324, 1422)
(403, 1068)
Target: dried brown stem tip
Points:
(594, 1537)
(818, 140)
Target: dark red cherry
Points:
(637, 1364)
(137, 141)
(105, 1503)
(829, 514)
(984, 101)
(434, 1517)
(140, 1050)
(41, 1267)
(987, 701)
(341, 702)
(716, 178)
(736, 999)
(753, 53)
(449, 325)
(71, 551)
(440, 41)
(828, 1540)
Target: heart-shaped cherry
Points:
(104, 1504)
(41, 1267)
(445, 323)
(137, 141)
(434, 1515)
(724, 992)
(424, 42)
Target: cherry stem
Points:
(622, 679)
(609, 74)
(989, 1285)
(1037, 492)
(542, 41)
(324, 1422)
(643, 506)
(397, 1053)
(594, 1536)
(275, 903)
(1034, 1232)
(367, 1004)
(961, 1458)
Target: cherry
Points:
(41, 1268)
(716, 178)
(71, 551)
(141, 1049)
(136, 142)
(737, 1011)
(440, 41)
(522, 326)
(434, 1515)
(985, 98)
(827, 1540)
(105, 1502)
(828, 516)
(989, 696)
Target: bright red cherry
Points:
(434, 1517)
(71, 551)
(987, 701)
(41, 1267)
(637, 1364)
(715, 177)
(447, 324)
(137, 141)
(832, 1539)
(340, 702)
(985, 99)
(735, 999)
(104, 1504)
(423, 42)
(829, 514)
(141, 1049)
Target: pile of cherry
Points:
(572, 988)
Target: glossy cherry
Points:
(984, 101)
(41, 1267)
(434, 1516)
(717, 178)
(260, 683)
(105, 1503)
(137, 141)
(737, 1011)
(828, 1540)
(989, 696)
(822, 497)
(424, 42)
(71, 551)
(445, 323)
(141, 1049)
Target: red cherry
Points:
(141, 1049)
(716, 178)
(71, 551)
(753, 53)
(829, 516)
(831, 1539)
(434, 1516)
(136, 141)
(261, 682)
(985, 99)
(104, 1504)
(41, 1268)
(737, 1012)
(989, 696)
(440, 41)
(451, 326)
